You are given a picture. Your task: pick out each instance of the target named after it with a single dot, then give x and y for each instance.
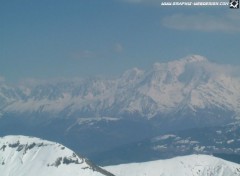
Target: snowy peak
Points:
(135, 72)
(194, 58)
(131, 76)
(193, 165)
(190, 65)
(189, 84)
(194, 82)
(26, 156)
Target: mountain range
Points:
(184, 94)
(188, 84)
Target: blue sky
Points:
(79, 38)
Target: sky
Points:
(80, 38)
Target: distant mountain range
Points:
(188, 93)
(27, 156)
(190, 84)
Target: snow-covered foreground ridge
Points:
(28, 156)
(192, 165)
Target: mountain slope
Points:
(222, 141)
(193, 165)
(187, 85)
(26, 156)
(187, 93)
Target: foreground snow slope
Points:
(192, 165)
(25, 156)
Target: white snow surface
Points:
(28, 156)
(192, 165)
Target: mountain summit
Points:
(27, 156)
(190, 84)
(195, 58)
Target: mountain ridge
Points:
(22, 155)
(192, 165)
(191, 83)
(26, 156)
(187, 93)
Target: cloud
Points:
(221, 22)
(229, 22)
(2, 79)
(216, 70)
(99, 53)
(83, 54)
(118, 47)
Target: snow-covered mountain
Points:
(28, 156)
(193, 165)
(190, 92)
(187, 85)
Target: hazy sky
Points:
(78, 38)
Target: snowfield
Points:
(192, 165)
(26, 156)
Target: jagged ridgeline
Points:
(27, 156)
(188, 93)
